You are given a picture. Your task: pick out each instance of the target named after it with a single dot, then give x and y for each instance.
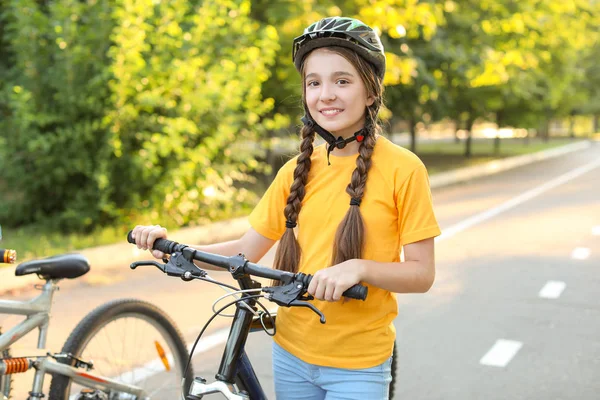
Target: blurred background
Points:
(114, 113)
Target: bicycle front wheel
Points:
(133, 342)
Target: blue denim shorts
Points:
(298, 380)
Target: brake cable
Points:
(213, 317)
(235, 293)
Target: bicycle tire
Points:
(91, 328)
(5, 380)
(394, 366)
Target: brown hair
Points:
(349, 239)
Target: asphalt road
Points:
(514, 312)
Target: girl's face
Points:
(335, 94)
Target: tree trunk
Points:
(456, 138)
(469, 140)
(500, 123)
(413, 135)
(596, 123)
(572, 126)
(546, 130)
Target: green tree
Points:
(117, 108)
(187, 84)
(518, 60)
(591, 105)
(52, 101)
(407, 29)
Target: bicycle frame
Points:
(37, 311)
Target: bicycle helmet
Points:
(345, 32)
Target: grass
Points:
(33, 242)
(441, 157)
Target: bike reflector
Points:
(162, 355)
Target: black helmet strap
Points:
(332, 142)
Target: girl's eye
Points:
(312, 83)
(343, 81)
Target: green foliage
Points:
(52, 101)
(520, 61)
(187, 84)
(114, 109)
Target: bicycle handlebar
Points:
(357, 291)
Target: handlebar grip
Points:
(164, 245)
(8, 256)
(130, 238)
(357, 291)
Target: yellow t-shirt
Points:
(396, 210)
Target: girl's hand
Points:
(146, 235)
(328, 284)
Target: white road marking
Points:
(552, 290)
(581, 253)
(596, 230)
(515, 201)
(501, 353)
(504, 350)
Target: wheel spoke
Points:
(124, 348)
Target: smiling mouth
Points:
(330, 113)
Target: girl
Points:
(342, 233)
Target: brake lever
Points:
(298, 303)
(156, 264)
(291, 295)
(176, 265)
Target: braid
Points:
(349, 238)
(287, 256)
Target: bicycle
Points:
(236, 378)
(82, 370)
